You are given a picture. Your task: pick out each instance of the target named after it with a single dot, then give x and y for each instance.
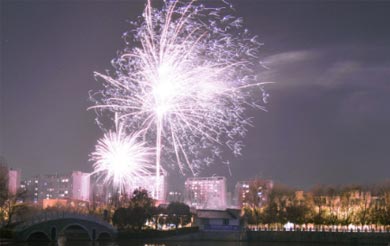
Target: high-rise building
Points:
(206, 192)
(31, 186)
(81, 186)
(252, 191)
(13, 180)
(10, 177)
(74, 185)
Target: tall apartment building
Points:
(81, 186)
(75, 185)
(11, 177)
(13, 180)
(101, 193)
(249, 191)
(206, 192)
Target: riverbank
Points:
(347, 238)
(287, 237)
(351, 238)
(155, 234)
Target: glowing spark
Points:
(121, 160)
(184, 81)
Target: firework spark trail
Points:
(122, 160)
(184, 81)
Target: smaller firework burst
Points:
(122, 160)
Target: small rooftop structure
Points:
(218, 220)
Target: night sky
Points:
(328, 118)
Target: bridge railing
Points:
(48, 216)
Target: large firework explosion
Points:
(183, 81)
(122, 159)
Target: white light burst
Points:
(122, 160)
(184, 81)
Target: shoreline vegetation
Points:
(282, 236)
(192, 234)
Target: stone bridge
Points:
(49, 226)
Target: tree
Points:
(346, 200)
(120, 218)
(8, 201)
(275, 210)
(12, 206)
(140, 197)
(3, 184)
(3, 191)
(137, 216)
(319, 201)
(380, 211)
(24, 211)
(140, 208)
(178, 214)
(298, 212)
(258, 191)
(362, 216)
(333, 204)
(254, 216)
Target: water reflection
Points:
(70, 243)
(175, 243)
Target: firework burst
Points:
(122, 159)
(184, 81)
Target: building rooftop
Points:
(218, 214)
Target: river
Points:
(175, 243)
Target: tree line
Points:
(139, 212)
(322, 205)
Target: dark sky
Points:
(328, 118)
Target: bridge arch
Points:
(37, 235)
(50, 226)
(75, 226)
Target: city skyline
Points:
(327, 113)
